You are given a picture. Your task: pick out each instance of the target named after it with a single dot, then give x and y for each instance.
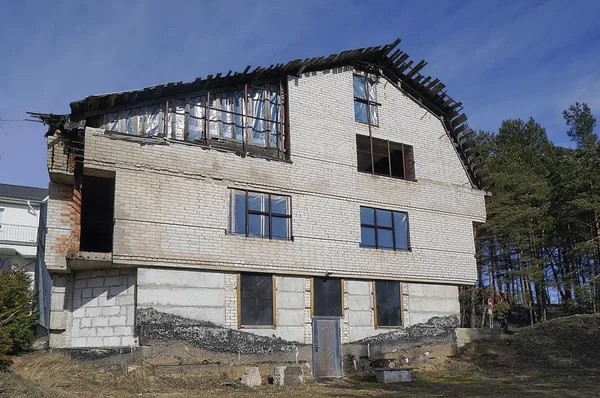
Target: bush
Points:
(17, 320)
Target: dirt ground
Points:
(560, 358)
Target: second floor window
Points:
(383, 229)
(261, 215)
(365, 100)
(387, 158)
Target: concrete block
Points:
(361, 288)
(127, 341)
(180, 278)
(393, 375)
(360, 318)
(95, 342)
(364, 303)
(97, 291)
(116, 290)
(117, 320)
(85, 293)
(125, 300)
(290, 284)
(100, 321)
(57, 302)
(112, 281)
(58, 320)
(104, 332)
(85, 322)
(95, 282)
(113, 341)
(87, 332)
(290, 317)
(290, 300)
(279, 375)
(181, 296)
(293, 376)
(80, 283)
(251, 377)
(114, 310)
(78, 342)
(93, 312)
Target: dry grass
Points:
(557, 358)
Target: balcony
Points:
(20, 234)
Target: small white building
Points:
(22, 236)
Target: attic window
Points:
(365, 100)
(386, 158)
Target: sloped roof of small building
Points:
(9, 191)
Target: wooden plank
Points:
(461, 119)
(417, 68)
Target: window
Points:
(260, 215)
(256, 300)
(383, 229)
(388, 311)
(327, 297)
(389, 158)
(365, 105)
(1, 215)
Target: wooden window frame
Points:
(312, 294)
(392, 228)
(239, 304)
(375, 323)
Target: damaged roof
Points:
(8, 191)
(392, 62)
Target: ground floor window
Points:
(327, 297)
(388, 308)
(256, 300)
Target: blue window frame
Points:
(260, 215)
(365, 100)
(383, 229)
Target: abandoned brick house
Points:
(328, 194)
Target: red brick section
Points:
(75, 219)
(67, 207)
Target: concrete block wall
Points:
(426, 301)
(103, 312)
(187, 293)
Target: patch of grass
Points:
(16, 386)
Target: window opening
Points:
(383, 229)
(365, 100)
(388, 308)
(256, 295)
(386, 158)
(327, 297)
(97, 214)
(261, 215)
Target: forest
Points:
(540, 245)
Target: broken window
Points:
(97, 214)
(365, 100)
(387, 304)
(260, 215)
(251, 116)
(383, 229)
(256, 295)
(327, 297)
(387, 158)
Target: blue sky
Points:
(502, 59)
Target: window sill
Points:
(258, 238)
(365, 123)
(409, 250)
(388, 176)
(258, 327)
(388, 327)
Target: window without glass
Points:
(256, 300)
(260, 215)
(383, 229)
(389, 158)
(365, 100)
(327, 297)
(1, 215)
(387, 304)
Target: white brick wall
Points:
(103, 312)
(172, 200)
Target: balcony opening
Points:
(97, 214)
